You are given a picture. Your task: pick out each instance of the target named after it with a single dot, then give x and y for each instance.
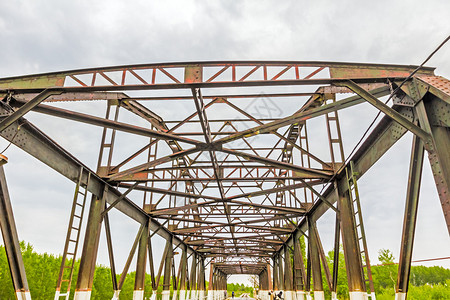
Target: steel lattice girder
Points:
(252, 229)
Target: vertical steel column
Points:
(183, 266)
(223, 289)
(308, 274)
(263, 284)
(11, 241)
(90, 247)
(288, 275)
(315, 261)
(211, 283)
(409, 221)
(167, 270)
(201, 283)
(269, 276)
(141, 263)
(299, 270)
(174, 278)
(280, 273)
(219, 285)
(337, 237)
(193, 278)
(111, 258)
(275, 273)
(353, 262)
(225, 285)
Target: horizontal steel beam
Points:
(88, 119)
(58, 78)
(300, 171)
(171, 86)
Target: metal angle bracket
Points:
(402, 99)
(415, 89)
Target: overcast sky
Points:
(42, 36)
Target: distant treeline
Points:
(42, 273)
(239, 289)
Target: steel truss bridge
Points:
(229, 178)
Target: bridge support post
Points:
(315, 262)
(224, 286)
(139, 281)
(183, 262)
(211, 282)
(280, 273)
(269, 280)
(288, 275)
(167, 270)
(409, 222)
(221, 288)
(215, 285)
(299, 270)
(353, 262)
(90, 247)
(11, 241)
(193, 278)
(264, 285)
(201, 283)
(275, 273)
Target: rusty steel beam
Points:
(410, 217)
(193, 73)
(88, 119)
(27, 107)
(11, 242)
(176, 86)
(389, 111)
(85, 278)
(301, 171)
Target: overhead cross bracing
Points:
(225, 158)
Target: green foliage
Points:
(342, 288)
(102, 284)
(42, 271)
(421, 275)
(6, 290)
(427, 291)
(425, 282)
(385, 256)
(439, 291)
(239, 289)
(385, 276)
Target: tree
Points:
(342, 286)
(385, 275)
(6, 290)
